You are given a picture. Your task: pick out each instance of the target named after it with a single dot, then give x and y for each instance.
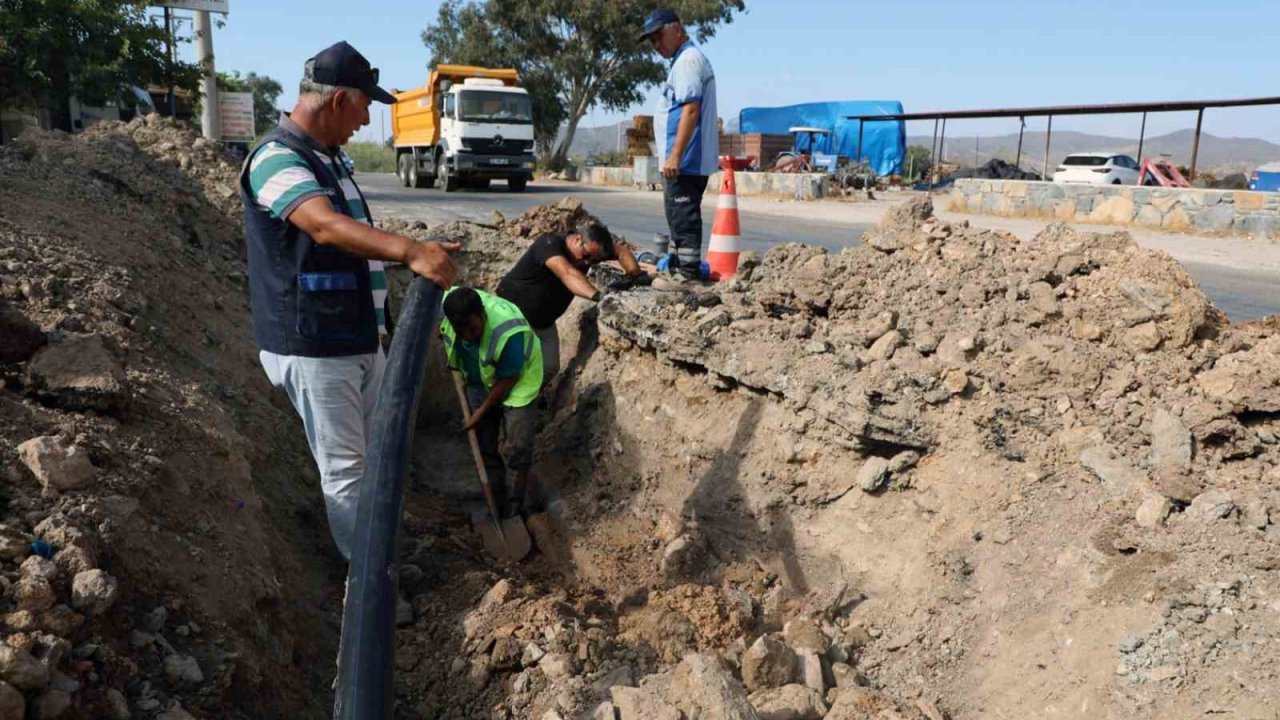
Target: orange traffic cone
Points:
(722, 255)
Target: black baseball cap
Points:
(341, 64)
(657, 19)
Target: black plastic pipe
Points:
(365, 690)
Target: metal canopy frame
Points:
(939, 140)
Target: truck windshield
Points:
(495, 107)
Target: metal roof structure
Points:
(939, 140)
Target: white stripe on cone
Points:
(723, 243)
(727, 202)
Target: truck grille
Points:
(488, 146)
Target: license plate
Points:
(498, 161)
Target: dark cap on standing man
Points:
(341, 64)
(657, 20)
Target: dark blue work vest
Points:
(308, 299)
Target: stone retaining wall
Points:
(796, 186)
(1239, 212)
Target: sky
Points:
(928, 54)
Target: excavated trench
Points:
(945, 474)
(928, 478)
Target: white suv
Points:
(1098, 169)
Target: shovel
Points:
(508, 540)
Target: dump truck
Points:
(466, 127)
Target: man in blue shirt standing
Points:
(688, 139)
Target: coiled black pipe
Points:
(365, 690)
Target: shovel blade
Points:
(518, 544)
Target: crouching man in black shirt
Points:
(551, 272)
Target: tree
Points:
(266, 91)
(93, 50)
(916, 165)
(573, 55)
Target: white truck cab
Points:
(465, 132)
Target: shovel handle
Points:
(475, 446)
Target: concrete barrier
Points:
(623, 176)
(796, 186)
(1237, 212)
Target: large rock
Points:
(874, 474)
(1153, 511)
(19, 337)
(74, 559)
(637, 704)
(559, 666)
(77, 372)
(52, 704)
(768, 663)
(56, 463)
(36, 566)
(12, 705)
(789, 702)
(182, 671)
(1113, 470)
(859, 704)
(94, 591)
(14, 544)
(115, 706)
(20, 669)
(702, 687)
(1170, 441)
(1210, 506)
(33, 594)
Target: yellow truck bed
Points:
(415, 120)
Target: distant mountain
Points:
(589, 141)
(1218, 155)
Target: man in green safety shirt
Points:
(488, 340)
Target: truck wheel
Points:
(415, 176)
(402, 168)
(517, 184)
(448, 181)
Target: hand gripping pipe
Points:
(365, 690)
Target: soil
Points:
(948, 472)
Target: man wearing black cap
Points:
(688, 139)
(316, 279)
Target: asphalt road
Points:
(1242, 294)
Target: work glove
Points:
(626, 282)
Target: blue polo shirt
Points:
(690, 79)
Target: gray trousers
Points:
(336, 398)
(550, 338)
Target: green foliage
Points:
(371, 157)
(609, 158)
(266, 91)
(573, 55)
(916, 165)
(53, 50)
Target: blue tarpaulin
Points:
(884, 144)
(1266, 178)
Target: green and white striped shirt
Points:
(281, 181)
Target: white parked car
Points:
(1097, 169)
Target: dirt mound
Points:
(144, 442)
(990, 477)
(558, 218)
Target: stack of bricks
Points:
(640, 137)
(764, 148)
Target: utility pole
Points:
(168, 39)
(210, 117)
